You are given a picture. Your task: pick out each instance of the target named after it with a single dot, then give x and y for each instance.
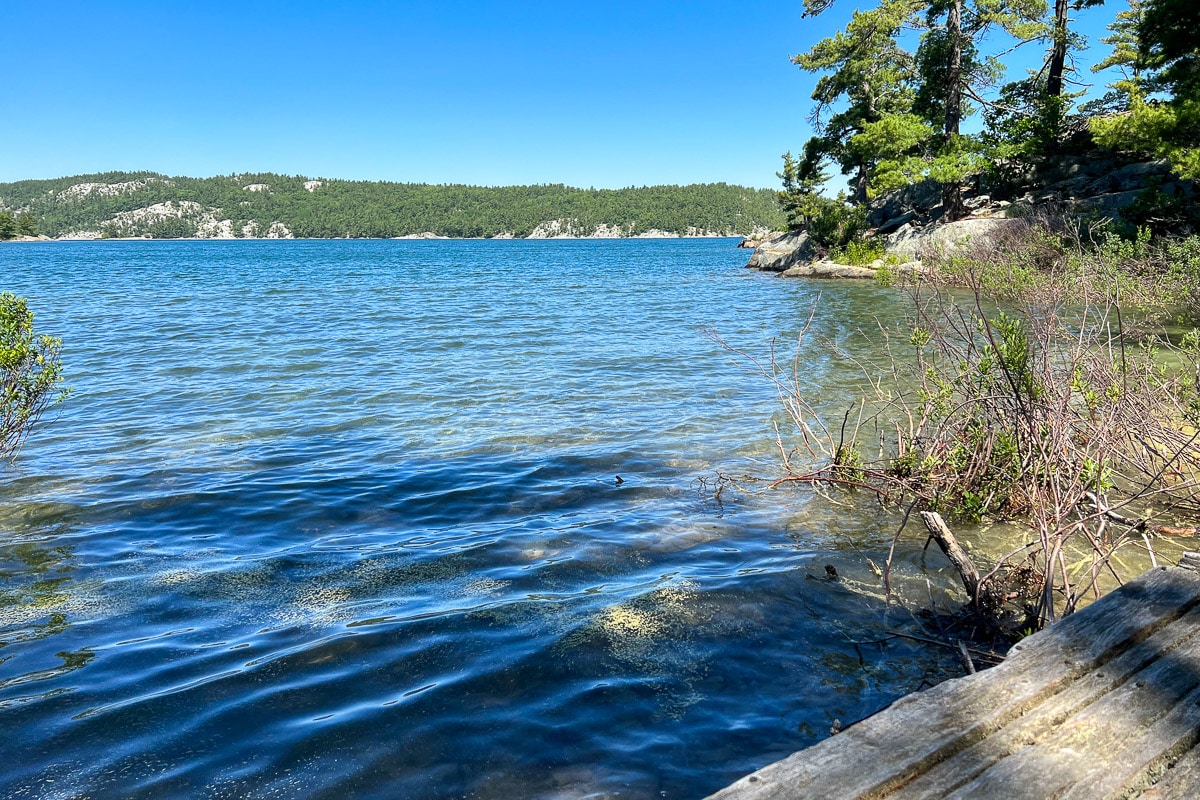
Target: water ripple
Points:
(330, 519)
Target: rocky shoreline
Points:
(909, 222)
(427, 236)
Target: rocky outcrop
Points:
(911, 243)
(792, 255)
(782, 252)
(913, 202)
(80, 191)
(1088, 189)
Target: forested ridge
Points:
(160, 206)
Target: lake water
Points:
(343, 519)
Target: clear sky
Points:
(587, 94)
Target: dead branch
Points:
(953, 550)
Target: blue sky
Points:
(606, 95)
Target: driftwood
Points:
(954, 551)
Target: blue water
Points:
(343, 519)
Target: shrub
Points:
(1036, 407)
(835, 224)
(860, 253)
(30, 373)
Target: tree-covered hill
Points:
(150, 204)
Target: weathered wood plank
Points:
(1180, 781)
(1103, 748)
(1037, 724)
(1146, 758)
(888, 751)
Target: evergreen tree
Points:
(802, 181)
(26, 224)
(868, 77)
(1169, 43)
(1061, 41)
(1124, 56)
(900, 115)
(1168, 60)
(953, 74)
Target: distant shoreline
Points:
(39, 239)
(135, 205)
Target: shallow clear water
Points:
(342, 519)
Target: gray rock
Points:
(783, 252)
(896, 222)
(757, 238)
(1108, 205)
(1071, 186)
(977, 202)
(917, 197)
(1007, 176)
(1127, 178)
(827, 269)
(1182, 189)
(912, 243)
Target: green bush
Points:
(835, 224)
(30, 373)
(860, 253)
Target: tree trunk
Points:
(954, 36)
(952, 202)
(860, 185)
(1058, 55)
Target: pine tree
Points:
(1168, 60)
(899, 116)
(953, 75)
(868, 77)
(26, 224)
(1124, 56)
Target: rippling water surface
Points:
(342, 519)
